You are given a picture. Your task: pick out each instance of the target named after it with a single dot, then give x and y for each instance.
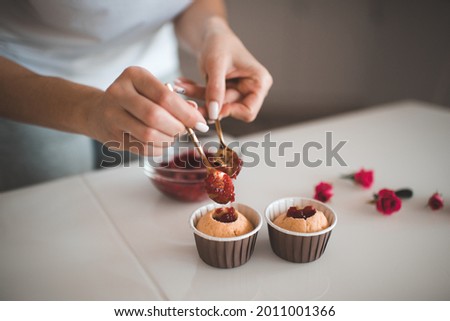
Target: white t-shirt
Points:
(87, 41)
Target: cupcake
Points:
(224, 222)
(302, 220)
(299, 228)
(225, 236)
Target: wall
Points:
(332, 56)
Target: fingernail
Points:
(192, 103)
(169, 86)
(201, 127)
(213, 110)
(177, 81)
(179, 90)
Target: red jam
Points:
(186, 182)
(231, 159)
(219, 187)
(303, 213)
(237, 166)
(185, 178)
(225, 215)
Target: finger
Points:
(145, 134)
(253, 91)
(181, 110)
(151, 88)
(184, 80)
(245, 109)
(192, 103)
(201, 109)
(215, 86)
(196, 91)
(232, 96)
(151, 115)
(193, 90)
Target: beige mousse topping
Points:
(302, 220)
(224, 222)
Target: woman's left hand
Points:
(236, 83)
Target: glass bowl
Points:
(180, 172)
(181, 177)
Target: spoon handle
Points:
(219, 132)
(198, 146)
(194, 138)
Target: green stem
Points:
(349, 176)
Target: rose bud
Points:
(387, 202)
(436, 201)
(363, 178)
(324, 191)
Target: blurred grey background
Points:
(329, 57)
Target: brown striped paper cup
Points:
(294, 246)
(226, 252)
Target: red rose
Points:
(436, 201)
(324, 191)
(364, 178)
(387, 202)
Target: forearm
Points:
(46, 101)
(201, 18)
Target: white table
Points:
(110, 235)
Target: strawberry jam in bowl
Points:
(180, 173)
(181, 176)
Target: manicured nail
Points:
(201, 127)
(169, 86)
(177, 81)
(213, 110)
(179, 90)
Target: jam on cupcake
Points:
(224, 222)
(302, 220)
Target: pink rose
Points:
(436, 201)
(324, 191)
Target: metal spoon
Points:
(218, 184)
(225, 159)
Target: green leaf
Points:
(404, 193)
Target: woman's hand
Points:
(236, 83)
(138, 113)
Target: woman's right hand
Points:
(140, 114)
(136, 113)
